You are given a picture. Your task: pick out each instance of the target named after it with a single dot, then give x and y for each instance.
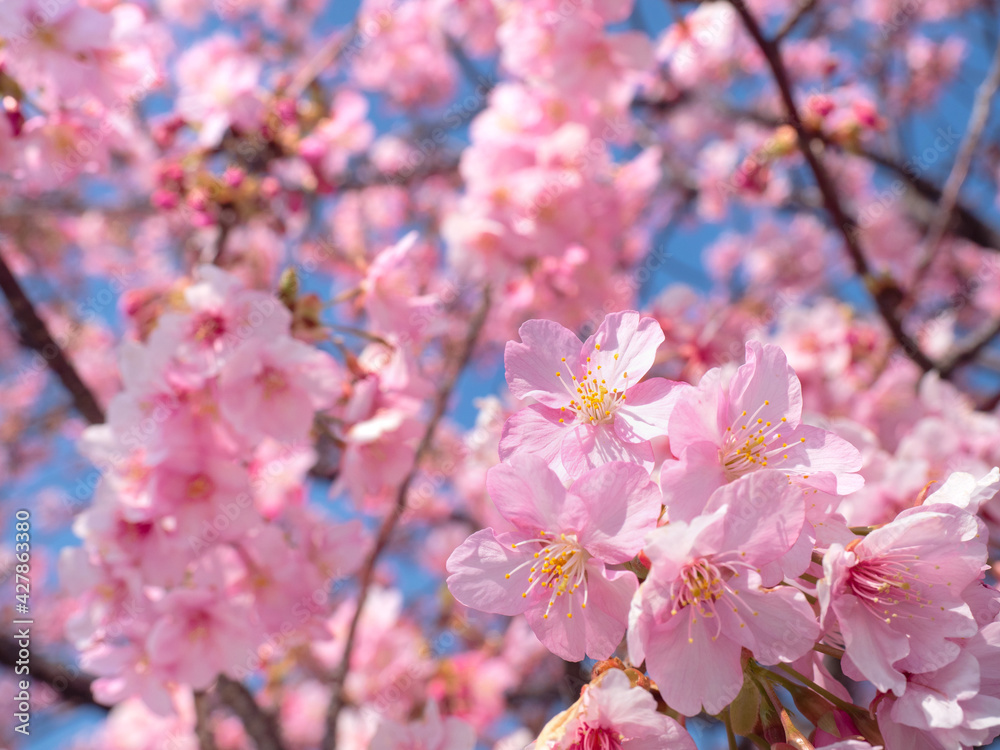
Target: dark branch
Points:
(965, 222)
(339, 676)
(261, 726)
(963, 162)
(792, 21)
(69, 683)
(885, 293)
(35, 335)
(202, 721)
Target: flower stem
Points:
(829, 650)
(730, 737)
(838, 702)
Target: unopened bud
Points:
(288, 288)
(603, 666)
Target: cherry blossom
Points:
(554, 565)
(613, 713)
(593, 406)
(897, 594)
(750, 423)
(703, 600)
(432, 733)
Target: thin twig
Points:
(885, 294)
(35, 335)
(339, 676)
(990, 403)
(730, 736)
(822, 648)
(793, 20)
(981, 107)
(469, 69)
(838, 702)
(969, 225)
(324, 58)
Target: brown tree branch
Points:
(884, 293)
(968, 349)
(35, 335)
(967, 224)
(202, 721)
(69, 683)
(792, 21)
(328, 54)
(339, 676)
(261, 726)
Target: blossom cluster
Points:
(198, 544)
(698, 529)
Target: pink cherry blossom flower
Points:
(703, 601)
(897, 594)
(613, 714)
(394, 289)
(221, 316)
(200, 634)
(218, 88)
(952, 707)
(336, 138)
(273, 388)
(725, 431)
(432, 733)
(592, 407)
(964, 491)
(553, 567)
(124, 671)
